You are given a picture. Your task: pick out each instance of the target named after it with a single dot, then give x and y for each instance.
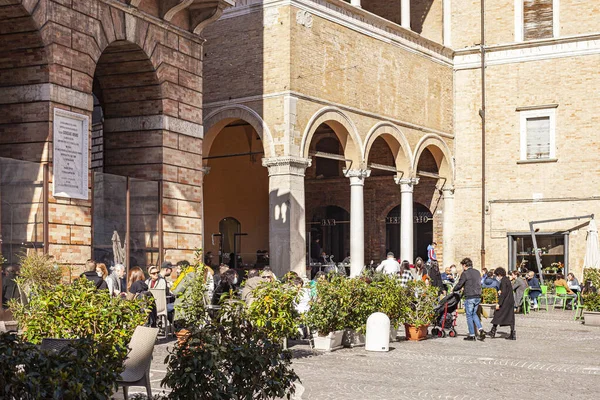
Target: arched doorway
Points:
(331, 224)
(422, 227)
(228, 227)
(236, 188)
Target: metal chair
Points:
(579, 308)
(526, 302)
(561, 297)
(544, 296)
(137, 364)
(162, 314)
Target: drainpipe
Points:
(483, 117)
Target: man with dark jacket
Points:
(91, 275)
(470, 280)
(10, 289)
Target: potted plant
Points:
(418, 310)
(364, 292)
(591, 311)
(489, 300)
(329, 310)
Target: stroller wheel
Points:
(452, 333)
(435, 331)
(442, 333)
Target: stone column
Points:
(357, 220)
(405, 13)
(287, 225)
(447, 22)
(448, 226)
(406, 217)
(355, 3)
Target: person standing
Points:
(470, 280)
(505, 309)
(113, 281)
(431, 252)
(389, 266)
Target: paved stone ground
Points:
(553, 358)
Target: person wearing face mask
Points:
(91, 275)
(229, 280)
(101, 270)
(113, 281)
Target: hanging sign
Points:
(70, 155)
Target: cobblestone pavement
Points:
(554, 357)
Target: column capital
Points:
(357, 176)
(287, 165)
(448, 192)
(406, 184)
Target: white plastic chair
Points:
(137, 363)
(160, 297)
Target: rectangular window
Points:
(537, 19)
(538, 134)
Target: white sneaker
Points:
(535, 307)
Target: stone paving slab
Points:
(554, 357)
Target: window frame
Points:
(524, 115)
(520, 20)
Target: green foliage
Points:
(331, 309)
(228, 358)
(191, 311)
(273, 309)
(38, 272)
(489, 296)
(420, 303)
(77, 311)
(591, 302)
(87, 370)
(591, 274)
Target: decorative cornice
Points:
(287, 165)
(406, 181)
(357, 173)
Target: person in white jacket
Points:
(389, 266)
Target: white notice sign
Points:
(70, 155)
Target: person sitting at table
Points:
(447, 276)
(573, 283)
(490, 281)
(535, 290)
(560, 281)
(229, 280)
(588, 288)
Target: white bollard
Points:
(378, 332)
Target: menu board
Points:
(70, 156)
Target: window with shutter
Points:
(537, 19)
(538, 138)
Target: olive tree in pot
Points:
(329, 312)
(591, 311)
(418, 311)
(489, 300)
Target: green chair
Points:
(543, 296)
(579, 308)
(560, 297)
(526, 302)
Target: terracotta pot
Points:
(414, 333)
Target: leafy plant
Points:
(77, 311)
(38, 272)
(331, 309)
(85, 370)
(591, 302)
(228, 358)
(489, 296)
(420, 304)
(273, 309)
(191, 309)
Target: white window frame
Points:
(520, 22)
(538, 113)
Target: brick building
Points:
(355, 121)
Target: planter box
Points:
(331, 342)
(353, 338)
(416, 334)
(591, 318)
(488, 310)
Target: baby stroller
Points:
(445, 316)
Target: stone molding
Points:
(535, 50)
(288, 165)
(357, 19)
(154, 122)
(448, 192)
(47, 92)
(357, 176)
(406, 184)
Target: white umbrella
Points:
(592, 248)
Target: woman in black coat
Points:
(505, 310)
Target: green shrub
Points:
(273, 309)
(87, 370)
(190, 308)
(591, 302)
(331, 309)
(38, 271)
(489, 296)
(77, 311)
(420, 303)
(591, 274)
(228, 358)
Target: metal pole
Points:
(45, 213)
(482, 114)
(537, 254)
(127, 221)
